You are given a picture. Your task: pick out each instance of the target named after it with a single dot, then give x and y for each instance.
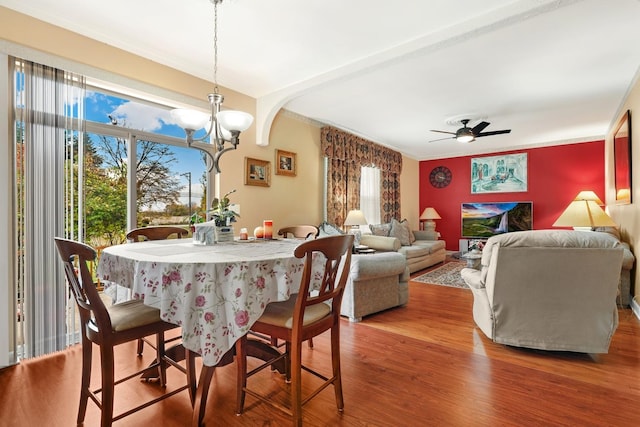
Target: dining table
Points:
(214, 292)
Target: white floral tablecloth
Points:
(214, 292)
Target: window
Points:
(89, 165)
(370, 194)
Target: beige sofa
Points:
(376, 282)
(421, 249)
(548, 289)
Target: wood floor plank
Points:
(423, 364)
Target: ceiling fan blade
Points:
(479, 127)
(442, 139)
(442, 131)
(495, 132)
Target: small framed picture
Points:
(256, 172)
(285, 163)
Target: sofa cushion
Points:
(426, 235)
(431, 245)
(380, 229)
(418, 251)
(402, 231)
(326, 229)
(380, 243)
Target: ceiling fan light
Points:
(465, 135)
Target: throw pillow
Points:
(380, 229)
(401, 231)
(412, 237)
(327, 229)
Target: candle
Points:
(243, 234)
(267, 225)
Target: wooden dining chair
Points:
(300, 231)
(300, 318)
(109, 326)
(305, 232)
(161, 232)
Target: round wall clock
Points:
(440, 176)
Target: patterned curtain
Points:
(347, 153)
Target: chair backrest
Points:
(156, 233)
(76, 257)
(336, 253)
(300, 231)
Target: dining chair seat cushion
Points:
(281, 313)
(131, 314)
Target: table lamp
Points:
(427, 218)
(583, 213)
(355, 218)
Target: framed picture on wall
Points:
(286, 163)
(256, 172)
(622, 159)
(499, 174)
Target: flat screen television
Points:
(483, 220)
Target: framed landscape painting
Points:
(499, 174)
(256, 172)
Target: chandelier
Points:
(223, 126)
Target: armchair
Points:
(548, 289)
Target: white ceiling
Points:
(553, 71)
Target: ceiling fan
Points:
(467, 134)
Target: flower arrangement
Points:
(220, 212)
(476, 245)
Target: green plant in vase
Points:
(220, 212)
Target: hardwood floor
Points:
(424, 364)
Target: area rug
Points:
(447, 275)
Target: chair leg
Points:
(87, 348)
(190, 360)
(160, 354)
(241, 373)
(310, 342)
(140, 346)
(295, 356)
(287, 362)
(108, 379)
(335, 361)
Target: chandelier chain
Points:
(215, 46)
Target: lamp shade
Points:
(430, 213)
(234, 120)
(355, 217)
(589, 195)
(584, 213)
(189, 119)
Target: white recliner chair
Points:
(548, 289)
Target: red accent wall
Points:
(556, 175)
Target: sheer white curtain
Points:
(370, 194)
(48, 108)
